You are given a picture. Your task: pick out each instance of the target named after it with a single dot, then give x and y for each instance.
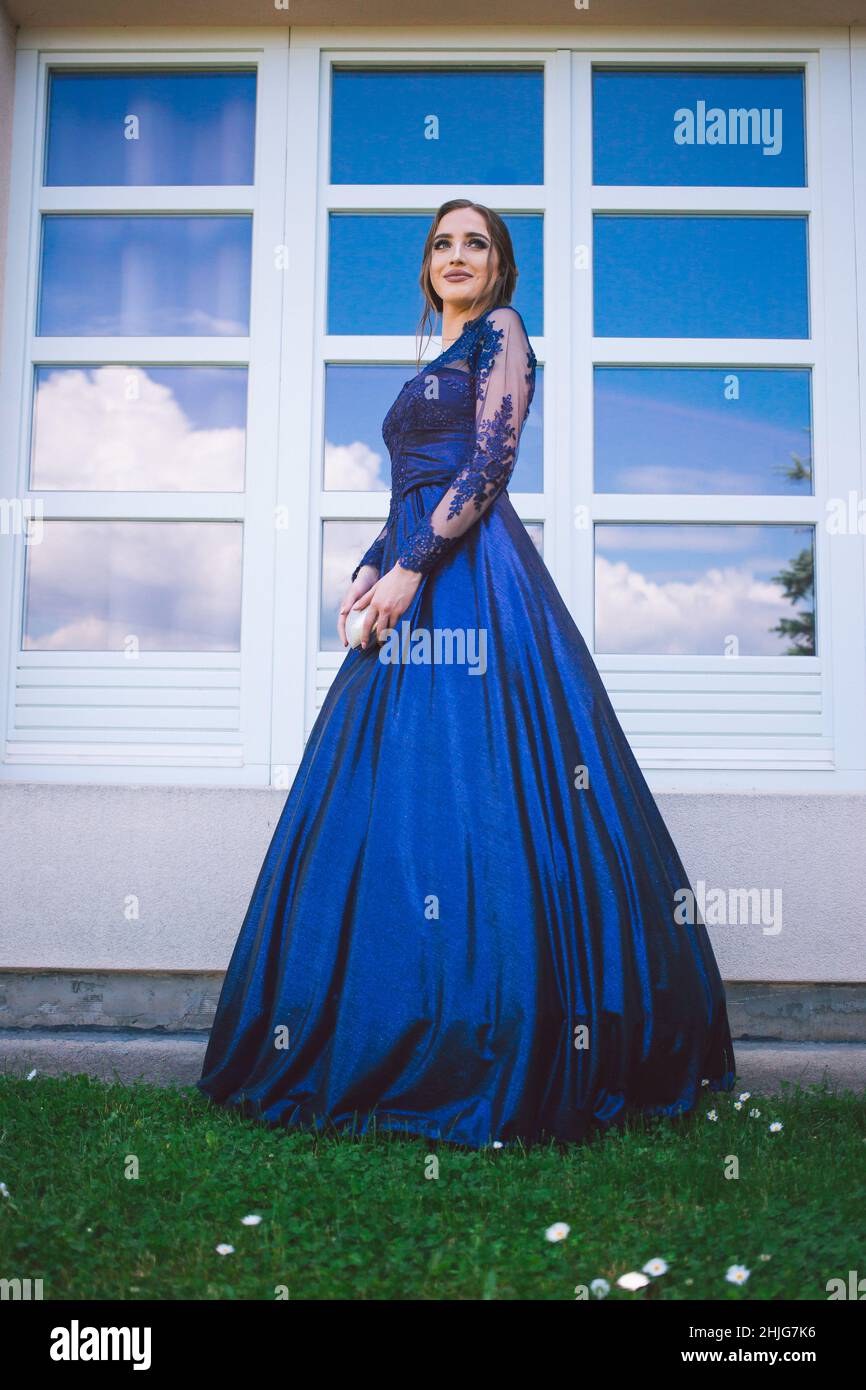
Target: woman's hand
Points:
(366, 578)
(385, 602)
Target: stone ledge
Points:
(185, 1002)
(175, 1059)
(125, 1055)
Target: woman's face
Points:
(463, 262)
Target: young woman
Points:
(471, 923)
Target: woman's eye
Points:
(475, 242)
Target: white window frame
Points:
(739, 695)
(224, 697)
(814, 738)
(858, 122)
(544, 200)
(282, 669)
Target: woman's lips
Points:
(457, 275)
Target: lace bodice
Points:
(477, 394)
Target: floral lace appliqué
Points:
(492, 463)
(426, 548)
(472, 357)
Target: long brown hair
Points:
(504, 281)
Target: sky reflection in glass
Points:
(703, 430)
(437, 126)
(670, 589)
(698, 128)
(700, 277)
(98, 585)
(146, 128)
(145, 275)
(130, 428)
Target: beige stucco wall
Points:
(7, 91)
(158, 878)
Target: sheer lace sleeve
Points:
(373, 556)
(505, 383)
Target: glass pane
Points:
(357, 399)
(154, 586)
(343, 544)
(536, 533)
(672, 589)
(141, 127)
(528, 475)
(703, 430)
(130, 428)
(375, 259)
(168, 276)
(706, 128)
(411, 126)
(700, 277)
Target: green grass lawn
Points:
(359, 1218)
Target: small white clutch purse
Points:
(354, 623)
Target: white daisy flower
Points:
(4, 1190)
(737, 1274)
(655, 1267)
(632, 1281)
(738, 1105)
(31, 1074)
(706, 1081)
(250, 1220)
(712, 1114)
(225, 1249)
(754, 1114)
(744, 1095)
(600, 1287)
(776, 1126)
(497, 1143)
(558, 1231)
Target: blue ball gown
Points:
(468, 925)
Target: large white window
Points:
(396, 143)
(212, 300)
(141, 390)
(720, 434)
